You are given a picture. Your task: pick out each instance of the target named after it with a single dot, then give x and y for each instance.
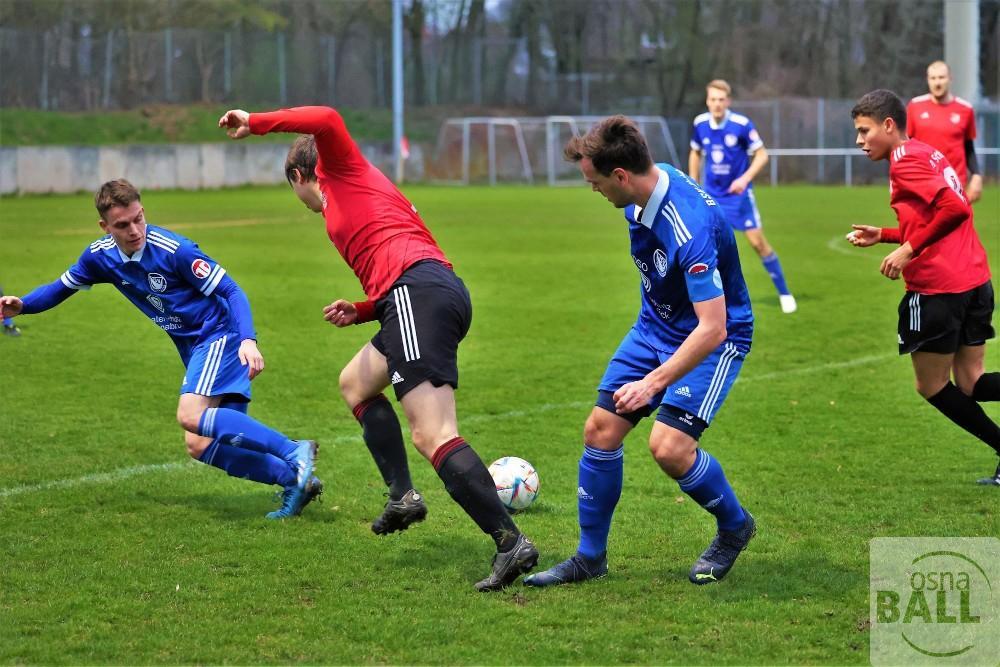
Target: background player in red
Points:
(944, 317)
(948, 123)
(424, 311)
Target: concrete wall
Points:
(40, 169)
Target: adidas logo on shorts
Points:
(396, 377)
(683, 391)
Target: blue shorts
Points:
(740, 210)
(214, 369)
(701, 392)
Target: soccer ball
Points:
(516, 482)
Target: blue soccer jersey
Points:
(685, 252)
(727, 147)
(169, 279)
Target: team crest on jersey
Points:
(700, 267)
(157, 283)
(717, 155)
(200, 268)
(156, 301)
(660, 261)
(924, 116)
(955, 118)
(731, 140)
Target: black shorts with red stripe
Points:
(942, 323)
(425, 315)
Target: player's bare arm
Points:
(251, 357)
(694, 165)
(237, 122)
(974, 191)
(864, 235)
(705, 337)
(341, 313)
(10, 306)
(894, 263)
(740, 184)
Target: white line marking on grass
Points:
(841, 245)
(96, 478)
(135, 471)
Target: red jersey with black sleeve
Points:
(376, 229)
(946, 127)
(936, 219)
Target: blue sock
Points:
(773, 268)
(707, 485)
(248, 464)
(244, 431)
(600, 486)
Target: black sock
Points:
(385, 442)
(469, 483)
(964, 411)
(987, 387)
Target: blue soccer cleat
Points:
(571, 570)
(303, 461)
(294, 500)
(716, 561)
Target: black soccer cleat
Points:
(571, 570)
(991, 481)
(716, 561)
(509, 565)
(399, 514)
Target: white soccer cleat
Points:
(788, 304)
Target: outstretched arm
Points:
(38, 300)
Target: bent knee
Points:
(189, 419)
(929, 389)
(673, 456)
(598, 432)
(196, 445)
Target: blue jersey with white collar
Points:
(169, 279)
(685, 252)
(727, 147)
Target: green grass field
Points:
(115, 548)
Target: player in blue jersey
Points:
(729, 140)
(680, 358)
(188, 295)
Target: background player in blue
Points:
(729, 139)
(679, 359)
(188, 295)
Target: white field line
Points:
(841, 245)
(134, 471)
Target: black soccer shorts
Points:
(425, 315)
(942, 323)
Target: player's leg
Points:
(688, 408)
(214, 370)
(599, 480)
(971, 378)
(361, 384)
(430, 412)
(977, 327)
(754, 228)
(599, 487)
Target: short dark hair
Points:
(612, 143)
(118, 192)
(302, 157)
(881, 104)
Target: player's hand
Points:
(238, 123)
(738, 186)
(634, 395)
(975, 190)
(864, 235)
(10, 306)
(340, 313)
(250, 356)
(896, 261)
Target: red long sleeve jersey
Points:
(955, 262)
(944, 126)
(376, 229)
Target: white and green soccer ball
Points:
(516, 481)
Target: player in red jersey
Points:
(948, 123)
(944, 317)
(424, 311)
